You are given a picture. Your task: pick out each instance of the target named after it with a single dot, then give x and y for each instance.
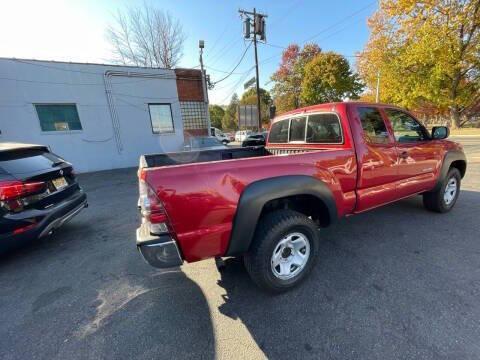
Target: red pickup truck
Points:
(267, 203)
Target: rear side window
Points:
(297, 129)
(58, 117)
(373, 125)
(27, 161)
(324, 128)
(279, 132)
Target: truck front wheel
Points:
(444, 198)
(283, 250)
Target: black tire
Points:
(271, 230)
(434, 201)
(225, 142)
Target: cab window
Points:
(324, 128)
(373, 125)
(405, 127)
(297, 129)
(279, 132)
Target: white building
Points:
(99, 116)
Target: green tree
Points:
(288, 78)
(230, 118)
(249, 97)
(216, 115)
(328, 77)
(427, 54)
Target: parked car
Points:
(241, 135)
(267, 203)
(223, 138)
(254, 140)
(203, 143)
(38, 193)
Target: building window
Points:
(161, 118)
(194, 115)
(58, 117)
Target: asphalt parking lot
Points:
(397, 282)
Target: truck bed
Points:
(189, 157)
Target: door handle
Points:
(404, 155)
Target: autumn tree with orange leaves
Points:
(427, 54)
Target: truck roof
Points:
(329, 106)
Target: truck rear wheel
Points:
(444, 198)
(283, 250)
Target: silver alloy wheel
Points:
(450, 190)
(290, 256)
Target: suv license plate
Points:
(60, 183)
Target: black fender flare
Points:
(258, 193)
(448, 159)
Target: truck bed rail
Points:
(189, 157)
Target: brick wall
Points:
(190, 95)
(189, 85)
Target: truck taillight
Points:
(14, 194)
(152, 209)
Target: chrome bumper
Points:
(158, 251)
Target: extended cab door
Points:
(418, 155)
(376, 156)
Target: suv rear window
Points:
(27, 160)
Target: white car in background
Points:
(203, 143)
(242, 135)
(224, 139)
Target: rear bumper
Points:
(158, 251)
(51, 219)
(55, 224)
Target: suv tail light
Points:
(14, 194)
(152, 210)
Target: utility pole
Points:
(201, 45)
(256, 71)
(377, 96)
(258, 29)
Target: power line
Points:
(286, 13)
(225, 50)
(234, 87)
(341, 21)
(236, 66)
(229, 85)
(223, 71)
(219, 37)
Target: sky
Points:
(74, 30)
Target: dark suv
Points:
(38, 193)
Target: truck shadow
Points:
(385, 283)
(164, 317)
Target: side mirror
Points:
(440, 132)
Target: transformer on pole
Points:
(254, 30)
